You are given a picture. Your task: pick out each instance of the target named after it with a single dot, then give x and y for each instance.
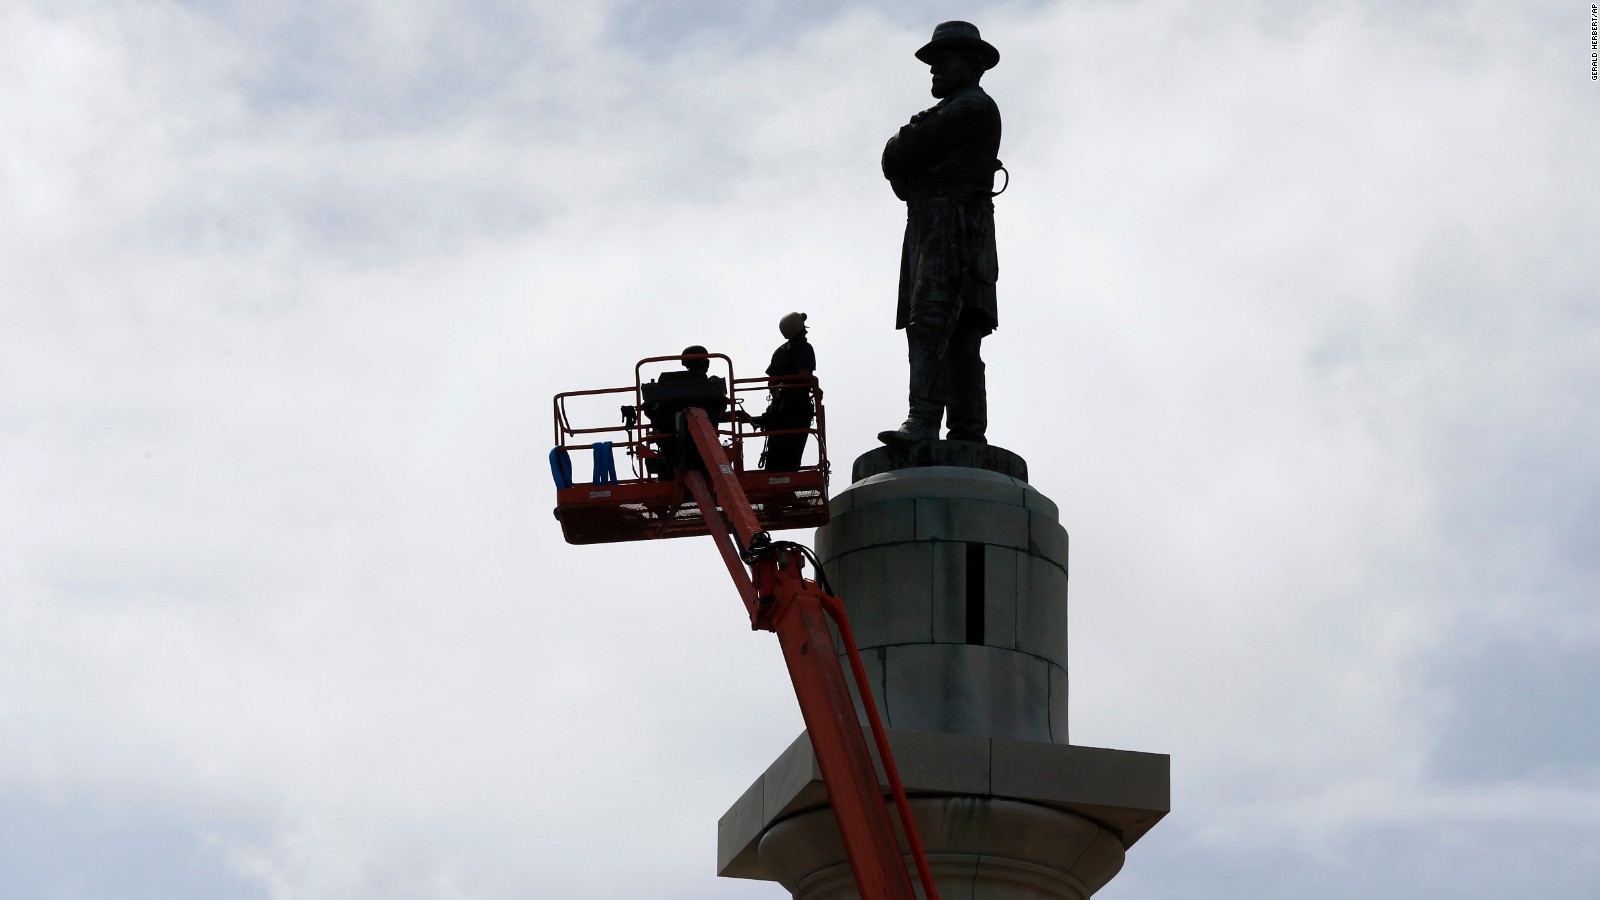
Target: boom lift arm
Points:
(781, 600)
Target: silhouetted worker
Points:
(942, 163)
(673, 392)
(790, 407)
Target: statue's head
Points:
(792, 325)
(958, 56)
(696, 365)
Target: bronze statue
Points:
(942, 164)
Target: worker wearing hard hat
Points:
(672, 393)
(790, 406)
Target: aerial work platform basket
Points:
(652, 502)
(684, 431)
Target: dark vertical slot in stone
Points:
(975, 593)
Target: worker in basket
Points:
(790, 405)
(665, 399)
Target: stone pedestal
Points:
(954, 572)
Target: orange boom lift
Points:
(686, 483)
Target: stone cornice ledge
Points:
(1125, 791)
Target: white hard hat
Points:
(792, 325)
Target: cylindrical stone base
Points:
(978, 848)
(955, 581)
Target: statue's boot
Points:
(966, 392)
(926, 397)
(910, 432)
(969, 413)
(921, 424)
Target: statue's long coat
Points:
(942, 164)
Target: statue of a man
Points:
(942, 164)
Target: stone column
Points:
(954, 572)
(955, 579)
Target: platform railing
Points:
(632, 434)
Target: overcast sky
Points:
(1300, 326)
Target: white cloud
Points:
(1296, 327)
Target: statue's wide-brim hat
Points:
(959, 36)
